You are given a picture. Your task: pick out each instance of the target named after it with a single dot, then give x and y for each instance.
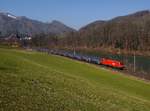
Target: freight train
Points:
(90, 59)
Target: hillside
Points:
(128, 33)
(32, 81)
(11, 24)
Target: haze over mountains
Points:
(10, 23)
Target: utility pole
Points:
(134, 62)
(74, 52)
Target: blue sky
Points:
(74, 13)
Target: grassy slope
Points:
(36, 81)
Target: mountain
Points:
(10, 23)
(130, 32)
(58, 27)
(131, 17)
(93, 25)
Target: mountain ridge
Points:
(133, 15)
(129, 33)
(10, 23)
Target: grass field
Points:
(33, 81)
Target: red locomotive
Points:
(95, 60)
(112, 63)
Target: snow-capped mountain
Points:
(11, 16)
(8, 14)
(10, 23)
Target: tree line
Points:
(130, 33)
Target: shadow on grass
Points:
(8, 69)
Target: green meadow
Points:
(33, 81)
